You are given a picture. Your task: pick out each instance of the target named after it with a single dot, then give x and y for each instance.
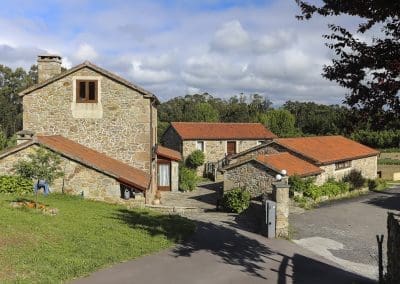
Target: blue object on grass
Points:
(42, 184)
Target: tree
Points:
(11, 83)
(318, 119)
(42, 164)
(280, 121)
(204, 112)
(369, 69)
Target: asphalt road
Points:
(345, 231)
(221, 253)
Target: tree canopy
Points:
(369, 67)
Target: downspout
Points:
(151, 147)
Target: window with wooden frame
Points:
(87, 91)
(342, 165)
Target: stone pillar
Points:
(280, 193)
(48, 67)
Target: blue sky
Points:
(180, 47)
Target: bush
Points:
(297, 184)
(15, 184)
(377, 184)
(195, 159)
(236, 200)
(187, 179)
(355, 179)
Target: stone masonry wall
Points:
(253, 176)
(118, 125)
(215, 150)
(77, 179)
(367, 166)
(172, 140)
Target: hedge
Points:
(15, 184)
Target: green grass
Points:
(84, 237)
(388, 161)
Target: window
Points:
(200, 145)
(86, 91)
(343, 165)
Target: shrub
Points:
(297, 184)
(377, 184)
(355, 179)
(195, 159)
(15, 184)
(187, 179)
(236, 200)
(312, 191)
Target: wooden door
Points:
(231, 147)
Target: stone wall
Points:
(171, 140)
(256, 178)
(118, 125)
(174, 176)
(77, 179)
(393, 249)
(214, 150)
(367, 166)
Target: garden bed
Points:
(83, 237)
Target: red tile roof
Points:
(168, 153)
(221, 131)
(327, 149)
(101, 162)
(290, 163)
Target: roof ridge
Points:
(96, 68)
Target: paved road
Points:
(220, 253)
(345, 231)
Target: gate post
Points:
(280, 193)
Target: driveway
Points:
(219, 252)
(345, 231)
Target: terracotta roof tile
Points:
(96, 160)
(327, 149)
(221, 131)
(290, 163)
(168, 153)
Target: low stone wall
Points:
(393, 249)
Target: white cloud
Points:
(149, 76)
(231, 36)
(86, 52)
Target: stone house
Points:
(321, 157)
(216, 140)
(257, 174)
(96, 109)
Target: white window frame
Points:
(202, 143)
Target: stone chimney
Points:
(24, 136)
(48, 66)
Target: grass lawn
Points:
(83, 237)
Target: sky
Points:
(179, 47)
